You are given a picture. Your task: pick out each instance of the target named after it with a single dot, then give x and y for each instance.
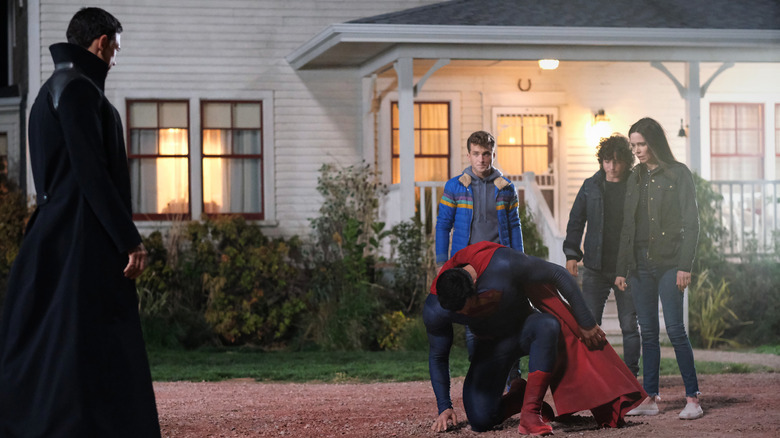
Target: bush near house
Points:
(220, 281)
(14, 213)
(736, 303)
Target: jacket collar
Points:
(83, 60)
(500, 182)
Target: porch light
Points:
(682, 132)
(548, 64)
(599, 128)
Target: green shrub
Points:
(220, 278)
(345, 297)
(413, 267)
(710, 311)
(392, 327)
(712, 233)
(752, 280)
(14, 213)
(533, 242)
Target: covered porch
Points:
(450, 52)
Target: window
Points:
(431, 141)
(233, 158)
(158, 133)
(737, 140)
(777, 141)
(524, 143)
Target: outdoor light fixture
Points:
(599, 128)
(682, 132)
(548, 64)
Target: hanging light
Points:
(682, 132)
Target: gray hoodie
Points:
(484, 223)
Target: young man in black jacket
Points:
(599, 203)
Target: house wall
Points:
(627, 91)
(234, 49)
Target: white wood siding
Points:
(235, 48)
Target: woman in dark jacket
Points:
(657, 247)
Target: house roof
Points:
(632, 30)
(675, 14)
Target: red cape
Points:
(595, 380)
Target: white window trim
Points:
(385, 135)
(196, 153)
(769, 101)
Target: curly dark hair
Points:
(481, 138)
(453, 287)
(91, 23)
(615, 147)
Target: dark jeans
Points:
(648, 282)
(490, 363)
(595, 287)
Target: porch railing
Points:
(750, 212)
(529, 189)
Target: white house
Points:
(232, 106)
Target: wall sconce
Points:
(682, 132)
(548, 64)
(599, 128)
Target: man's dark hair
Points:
(481, 138)
(454, 287)
(91, 23)
(615, 147)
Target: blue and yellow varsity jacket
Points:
(456, 211)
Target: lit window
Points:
(158, 158)
(431, 142)
(233, 158)
(524, 143)
(737, 136)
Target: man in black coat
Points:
(72, 357)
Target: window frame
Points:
(761, 154)
(161, 216)
(261, 156)
(448, 156)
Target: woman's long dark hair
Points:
(655, 138)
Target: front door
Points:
(524, 138)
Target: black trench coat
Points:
(72, 357)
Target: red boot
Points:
(531, 422)
(512, 402)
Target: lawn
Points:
(215, 364)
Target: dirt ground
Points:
(734, 406)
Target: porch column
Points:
(403, 68)
(693, 109)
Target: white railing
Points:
(528, 188)
(750, 212)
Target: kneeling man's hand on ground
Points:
(440, 425)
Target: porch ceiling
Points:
(371, 47)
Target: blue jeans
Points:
(648, 282)
(595, 287)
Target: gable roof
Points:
(607, 30)
(676, 14)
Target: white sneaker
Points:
(648, 407)
(692, 411)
